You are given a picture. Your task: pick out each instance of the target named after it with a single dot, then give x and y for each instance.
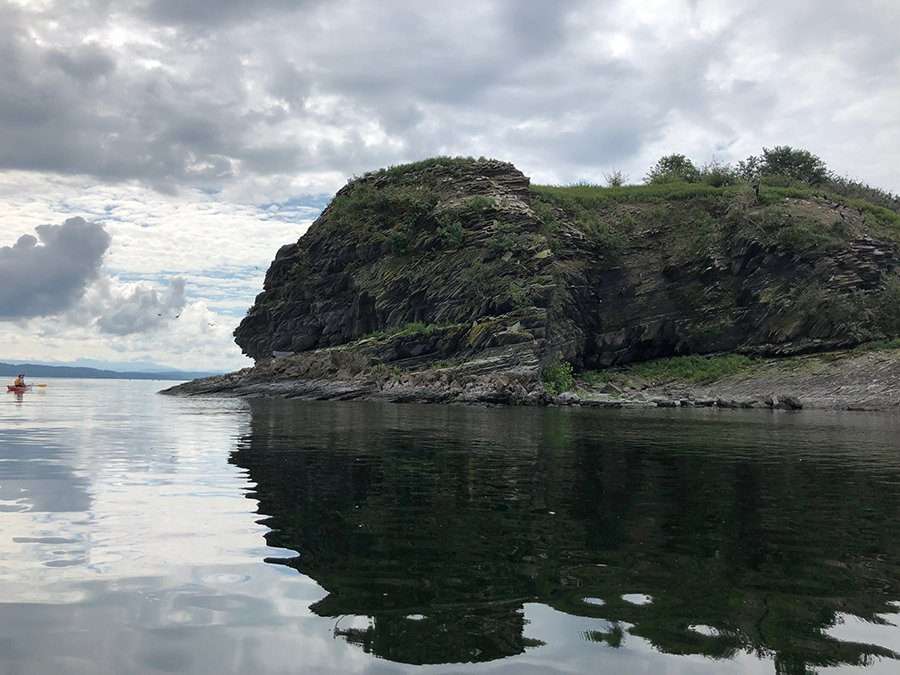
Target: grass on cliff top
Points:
(396, 170)
(694, 369)
(594, 195)
(587, 195)
(588, 206)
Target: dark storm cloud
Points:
(209, 92)
(48, 274)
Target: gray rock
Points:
(788, 403)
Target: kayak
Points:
(18, 390)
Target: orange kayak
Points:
(18, 390)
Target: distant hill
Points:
(33, 370)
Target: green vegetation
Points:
(399, 242)
(477, 204)
(615, 179)
(451, 234)
(858, 191)
(673, 169)
(886, 309)
(696, 369)
(782, 160)
(878, 345)
(366, 207)
(558, 377)
(592, 196)
(718, 174)
(398, 170)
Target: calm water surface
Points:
(146, 534)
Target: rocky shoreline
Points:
(841, 380)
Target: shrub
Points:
(615, 178)
(557, 377)
(478, 203)
(501, 243)
(673, 169)
(546, 213)
(518, 296)
(887, 309)
(451, 234)
(399, 240)
(719, 175)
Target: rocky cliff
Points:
(456, 279)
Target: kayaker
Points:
(20, 380)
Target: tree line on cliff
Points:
(780, 166)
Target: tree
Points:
(750, 169)
(673, 169)
(802, 165)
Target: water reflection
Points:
(713, 533)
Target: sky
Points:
(154, 154)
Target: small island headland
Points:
(457, 280)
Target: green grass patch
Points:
(695, 369)
(878, 345)
(590, 196)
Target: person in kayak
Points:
(20, 380)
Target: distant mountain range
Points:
(35, 370)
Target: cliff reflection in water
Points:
(751, 532)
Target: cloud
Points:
(178, 93)
(191, 129)
(84, 62)
(203, 13)
(132, 309)
(48, 274)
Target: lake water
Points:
(143, 534)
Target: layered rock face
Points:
(723, 274)
(459, 279)
(396, 248)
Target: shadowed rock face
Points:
(392, 250)
(457, 280)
